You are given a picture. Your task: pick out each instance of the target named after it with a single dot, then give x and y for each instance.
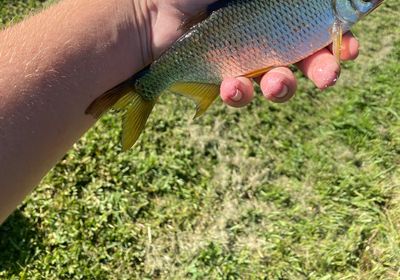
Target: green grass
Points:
(304, 190)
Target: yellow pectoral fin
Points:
(203, 94)
(136, 116)
(337, 39)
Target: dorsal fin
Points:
(195, 19)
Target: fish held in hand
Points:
(231, 39)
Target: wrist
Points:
(141, 19)
(156, 25)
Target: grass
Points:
(305, 190)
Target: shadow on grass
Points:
(19, 241)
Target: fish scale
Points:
(239, 38)
(245, 36)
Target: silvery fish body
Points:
(237, 38)
(245, 36)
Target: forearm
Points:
(51, 67)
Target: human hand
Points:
(279, 85)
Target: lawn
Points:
(304, 190)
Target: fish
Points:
(235, 38)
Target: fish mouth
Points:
(376, 3)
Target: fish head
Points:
(351, 11)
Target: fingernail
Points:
(237, 96)
(283, 92)
(325, 76)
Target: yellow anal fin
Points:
(337, 39)
(203, 94)
(257, 73)
(135, 119)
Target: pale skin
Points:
(54, 64)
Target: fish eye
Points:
(362, 6)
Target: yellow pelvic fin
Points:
(135, 119)
(203, 94)
(337, 39)
(257, 73)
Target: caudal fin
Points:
(137, 113)
(107, 100)
(138, 109)
(124, 97)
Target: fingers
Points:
(278, 85)
(350, 47)
(321, 68)
(237, 92)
